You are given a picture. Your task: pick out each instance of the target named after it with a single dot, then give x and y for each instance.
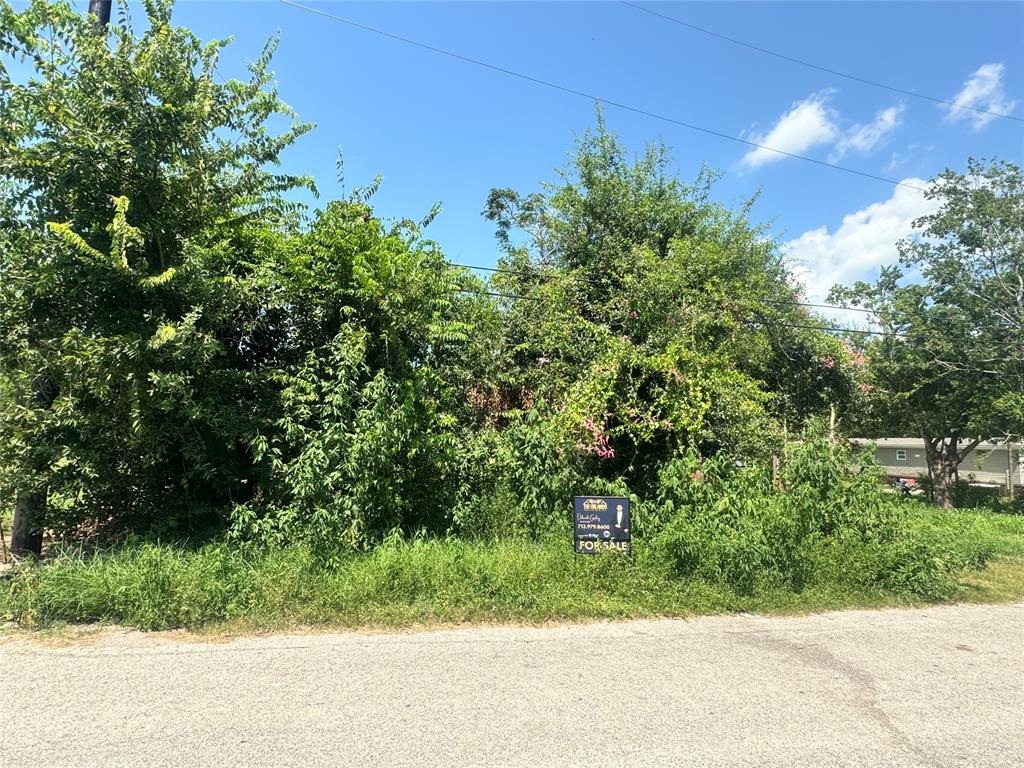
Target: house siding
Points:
(986, 464)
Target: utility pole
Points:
(101, 10)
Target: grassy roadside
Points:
(428, 582)
(1003, 580)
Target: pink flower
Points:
(697, 475)
(600, 446)
(829, 361)
(858, 359)
(865, 388)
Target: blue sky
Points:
(443, 130)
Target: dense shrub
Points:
(131, 337)
(831, 524)
(966, 494)
(516, 480)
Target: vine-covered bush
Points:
(830, 521)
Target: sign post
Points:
(600, 523)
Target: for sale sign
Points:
(602, 522)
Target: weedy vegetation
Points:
(723, 541)
(220, 407)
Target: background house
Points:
(990, 463)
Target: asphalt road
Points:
(937, 687)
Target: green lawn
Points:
(1002, 581)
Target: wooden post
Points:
(1010, 468)
(776, 481)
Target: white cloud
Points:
(897, 159)
(982, 90)
(806, 124)
(865, 137)
(863, 242)
(911, 153)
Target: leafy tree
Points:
(648, 319)
(372, 326)
(206, 354)
(951, 366)
(134, 182)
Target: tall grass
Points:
(714, 538)
(153, 586)
(834, 525)
(424, 581)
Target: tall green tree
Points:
(134, 181)
(651, 320)
(951, 366)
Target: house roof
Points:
(918, 443)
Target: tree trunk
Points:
(944, 479)
(30, 506)
(944, 457)
(27, 531)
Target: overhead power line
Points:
(818, 306)
(772, 323)
(595, 97)
(501, 270)
(770, 302)
(819, 67)
(834, 330)
(497, 294)
(780, 302)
